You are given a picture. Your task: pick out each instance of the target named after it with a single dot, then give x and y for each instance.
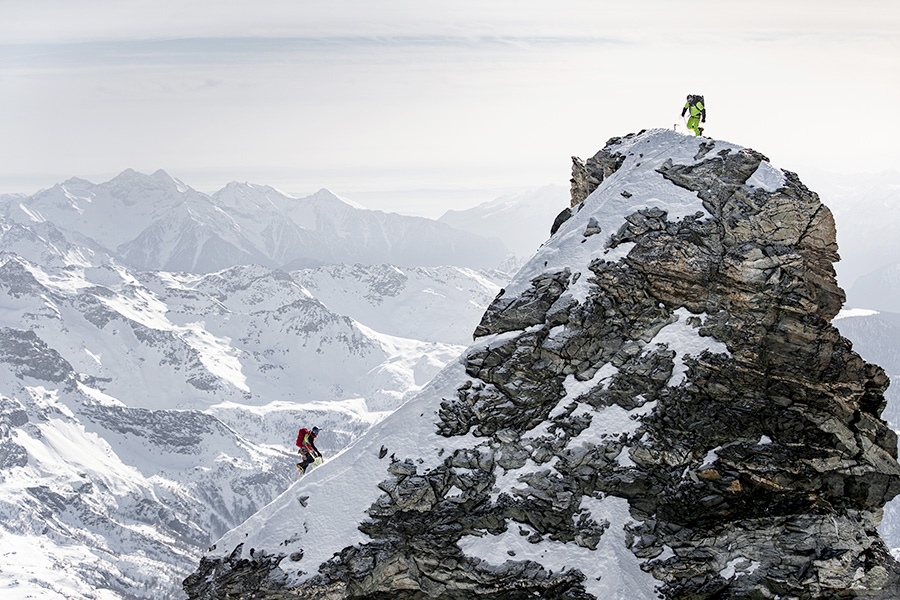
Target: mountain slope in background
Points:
(394, 301)
(99, 500)
(865, 210)
(520, 220)
(879, 290)
(155, 222)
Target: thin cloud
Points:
(497, 93)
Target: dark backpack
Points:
(693, 99)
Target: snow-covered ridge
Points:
(156, 222)
(636, 184)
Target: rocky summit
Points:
(657, 406)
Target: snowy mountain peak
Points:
(249, 197)
(157, 222)
(76, 182)
(129, 178)
(326, 197)
(656, 406)
(519, 220)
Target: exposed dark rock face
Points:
(587, 175)
(756, 468)
(237, 577)
(31, 357)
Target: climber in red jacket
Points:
(306, 443)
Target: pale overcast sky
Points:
(361, 96)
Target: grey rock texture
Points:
(587, 175)
(755, 469)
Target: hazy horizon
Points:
(471, 98)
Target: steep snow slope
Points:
(321, 513)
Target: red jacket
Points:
(306, 440)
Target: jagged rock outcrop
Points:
(669, 395)
(587, 175)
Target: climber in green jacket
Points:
(695, 105)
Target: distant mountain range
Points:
(879, 289)
(522, 221)
(156, 222)
(868, 233)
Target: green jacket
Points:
(697, 110)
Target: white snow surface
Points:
(338, 493)
(685, 340)
(767, 177)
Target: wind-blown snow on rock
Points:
(656, 405)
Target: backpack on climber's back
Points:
(300, 435)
